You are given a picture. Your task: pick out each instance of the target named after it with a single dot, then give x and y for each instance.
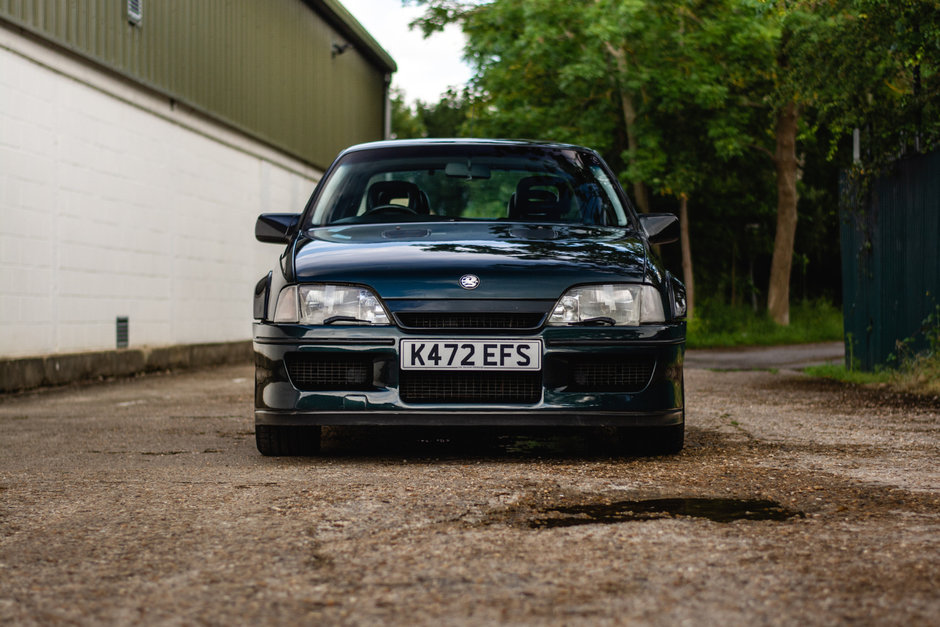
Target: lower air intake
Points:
(471, 387)
(611, 376)
(329, 372)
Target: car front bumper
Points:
(350, 375)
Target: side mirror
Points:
(276, 228)
(661, 228)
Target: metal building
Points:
(139, 139)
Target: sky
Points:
(426, 67)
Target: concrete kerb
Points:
(25, 373)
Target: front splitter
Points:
(471, 418)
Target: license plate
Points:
(471, 354)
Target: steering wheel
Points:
(381, 209)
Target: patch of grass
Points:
(838, 372)
(719, 325)
(920, 375)
(915, 373)
(919, 372)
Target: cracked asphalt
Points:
(144, 501)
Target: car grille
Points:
(610, 376)
(471, 320)
(471, 387)
(330, 372)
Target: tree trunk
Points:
(686, 255)
(788, 172)
(629, 117)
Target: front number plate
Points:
(471, 354)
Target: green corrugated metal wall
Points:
(891, 261)
(265, 67)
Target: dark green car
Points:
(468, 282)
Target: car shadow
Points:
(437, 443)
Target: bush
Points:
(909, 371)
(717, 324)
(919, 372)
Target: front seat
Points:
(403, 193)
(539, 198)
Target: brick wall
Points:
(115, 202)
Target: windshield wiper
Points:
(333, 319)
(599, 321)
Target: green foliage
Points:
(920, 369)
(887, 58)
(532, 78)
(717, 324)
(446, 118)
(680, 98)
(921, 375)
(443, 119)
(838, 372)
(406, 121)
(914, 372)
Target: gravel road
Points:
(144, 501)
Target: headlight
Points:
(329, 304)
(622, 303)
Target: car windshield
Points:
(421, 183)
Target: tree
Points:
(674, 91)
(857, 63)
(406, 121)
(619, 75)
(798, 30)
(442, 119)
(528, 83)
(887, 58)
(447, 117)
(690, 111)
(789, 42)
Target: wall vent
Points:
(135, 11)
(122, 331)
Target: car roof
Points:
(410, 143)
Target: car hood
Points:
(426, 260)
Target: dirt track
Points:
(145, 501)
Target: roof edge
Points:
(344, 21)
(465, 141)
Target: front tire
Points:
(277, 441)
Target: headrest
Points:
(403, 193)
(540, 198)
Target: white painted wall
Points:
(114, 203)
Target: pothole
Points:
(714, 509)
